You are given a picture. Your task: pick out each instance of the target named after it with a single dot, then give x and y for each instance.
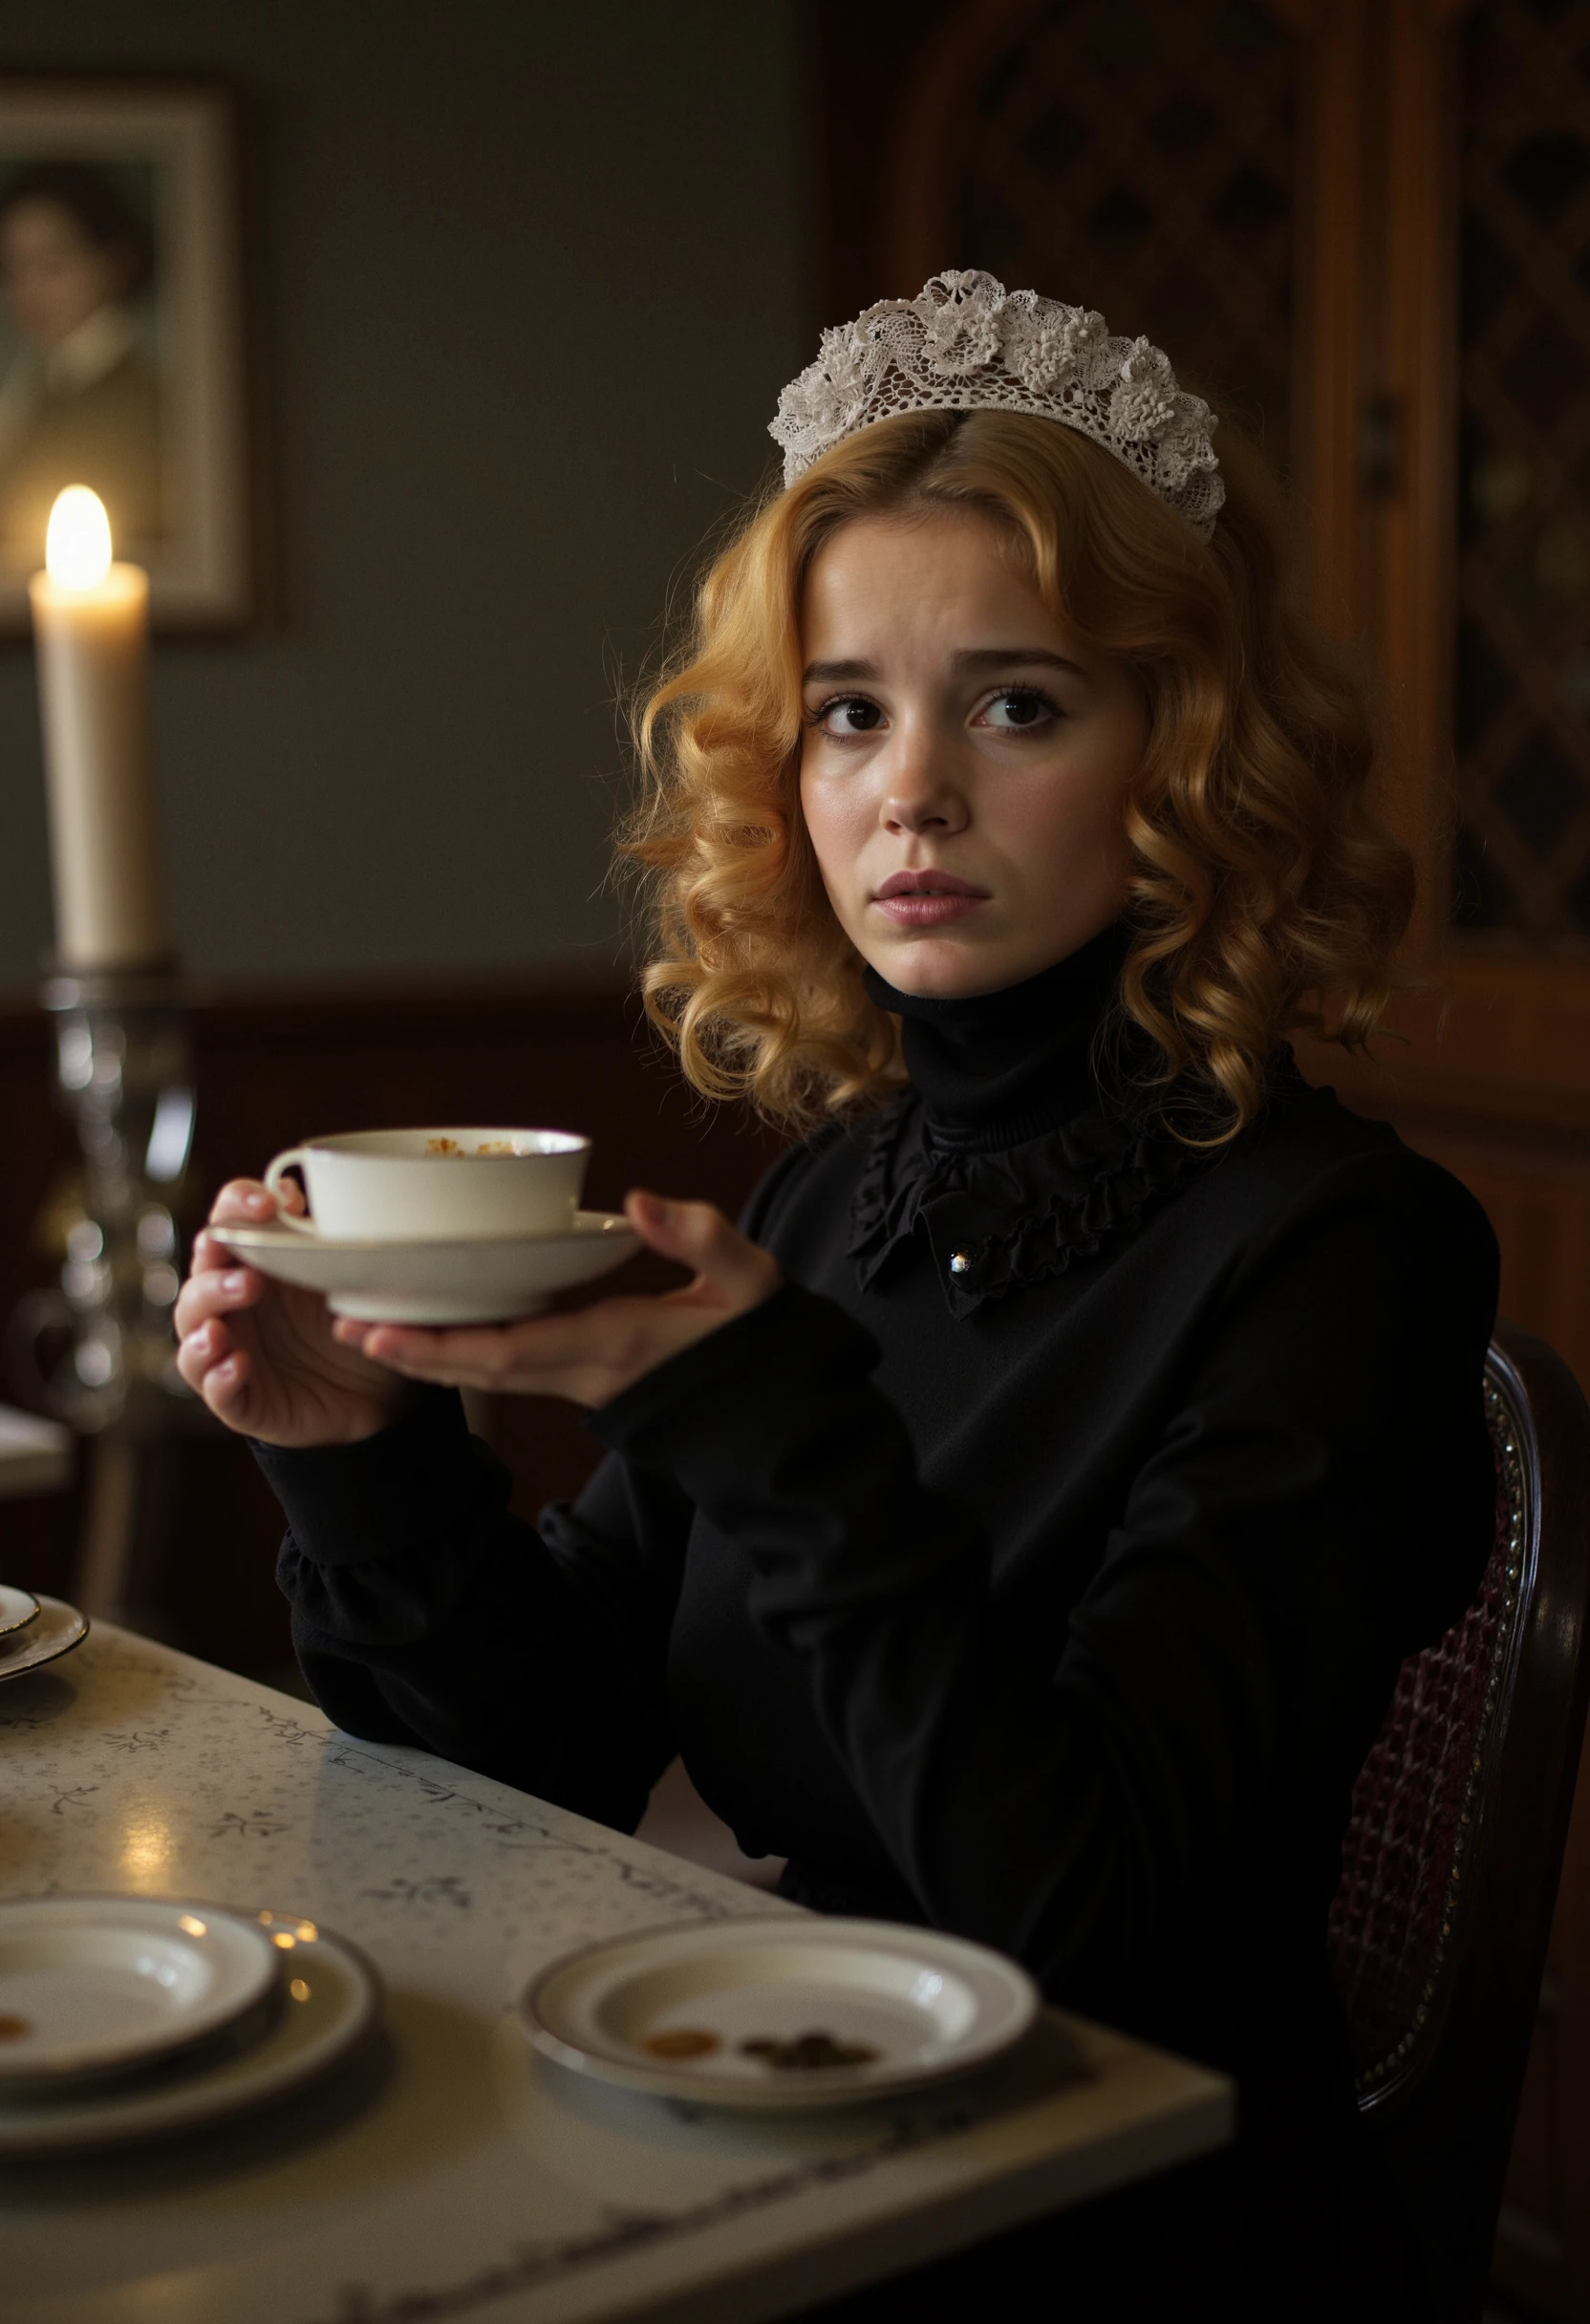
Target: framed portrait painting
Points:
(120, 336)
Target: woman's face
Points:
(53, 276)
(963, 761)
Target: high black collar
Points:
(1000, 1068)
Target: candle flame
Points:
(78, 544)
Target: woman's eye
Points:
(1018, 710)
(849, 714)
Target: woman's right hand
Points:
(261, 1353)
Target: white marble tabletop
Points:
(450, 2174)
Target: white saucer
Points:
(331, 1994)
(94, 1985)
(17, 1609)
(57, 1629)
(909, 2006)
(492, 1280)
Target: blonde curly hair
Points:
(1264, 893)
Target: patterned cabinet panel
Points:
(1138, 156)
(1521, 695)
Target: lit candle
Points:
(90, 624)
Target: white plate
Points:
(94, 1985)
(17, 1609)
(922, 2006)
(331, 1994)
(58, 1629)
(491, 1280)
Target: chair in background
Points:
(1452, 1856)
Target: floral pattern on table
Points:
(464, 2179)
(212, 1788)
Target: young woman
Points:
(1018, 1525)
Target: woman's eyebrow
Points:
(969, 658)
(1010, 657)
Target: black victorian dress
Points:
(1036, 1564)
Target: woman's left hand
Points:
(593, 1355)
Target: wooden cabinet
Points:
(1362, 227)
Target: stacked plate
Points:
(122, 2017)
(34, 1630)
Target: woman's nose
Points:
(921, 793)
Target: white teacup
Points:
(436, 1184)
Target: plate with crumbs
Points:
(453, 1281)
(779, 2015)
(95, 1984)
(325, 2001)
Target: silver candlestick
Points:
(101, 1349)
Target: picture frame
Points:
(122, 335)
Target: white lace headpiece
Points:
(966, 344)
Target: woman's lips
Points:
(928, 899)
(928, 910)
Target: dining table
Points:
(446, 2170)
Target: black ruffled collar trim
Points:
(1016, 1215)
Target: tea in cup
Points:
(436, 1184)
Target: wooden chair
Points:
(1452, 1856)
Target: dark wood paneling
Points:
(861, 65)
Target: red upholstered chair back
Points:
(1451, 1858)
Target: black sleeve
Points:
(422, 1612)
(1317, 1502)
